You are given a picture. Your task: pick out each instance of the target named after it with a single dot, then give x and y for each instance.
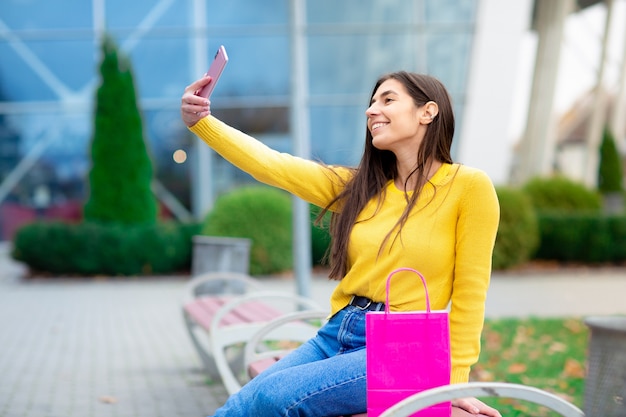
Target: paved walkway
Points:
(118, 348)
(102, 348)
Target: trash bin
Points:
(605, 386)
(220, 254)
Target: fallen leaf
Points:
(574, 326)
(493, 340)
(517, 368)
(573, 369)
(557, 347)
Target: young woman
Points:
(406, 205)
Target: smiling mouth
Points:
(377, 125)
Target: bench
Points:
(292, 329)
(231, 311)
(222, 310)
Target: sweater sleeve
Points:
(311, 181)
(477, 225)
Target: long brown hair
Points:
(377, 167)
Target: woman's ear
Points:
(430, 110)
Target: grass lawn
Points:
(544, 353)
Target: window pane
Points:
(338, 134)
(246, 12)
(257, 66)
(37, 15)
(60, 67)
(136, 16)
(351, 64)
(450, 11)
(360, 11)
(448, 59)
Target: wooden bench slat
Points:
(259, 366)
(255, 311)
(203, 309)
(240, 316)
(197, 311)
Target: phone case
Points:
(215, 71)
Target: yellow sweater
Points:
(448, 238)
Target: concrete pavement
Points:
(118, 347)
(98, 348)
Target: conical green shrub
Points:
(121, 171)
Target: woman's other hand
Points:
(475, 407)
(193, 107)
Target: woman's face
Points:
(394, 120)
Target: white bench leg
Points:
(208, 362)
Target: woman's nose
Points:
(371, 110)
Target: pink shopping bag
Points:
(407, 352)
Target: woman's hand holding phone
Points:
(195, 102)
(193, 107)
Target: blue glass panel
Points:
(18, 81)
(165, 132)
(71, 61)
(129, 14)
(337, 134)
(62, 139)
(45, 70)
(38, 15)
(161, 67)
(448, 59)
(450, 11)
(360, 11)
(248, 12)
(351, 64)
(257, 66)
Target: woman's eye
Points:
(388, 100)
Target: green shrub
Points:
(518, 233)
(561, 194)
(121, 171)
(617, 227)
(610, 171)
(262, 214)
(113, 249)
(582, 237)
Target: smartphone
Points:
(215, 70)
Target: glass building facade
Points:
(49, 57)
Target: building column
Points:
(300, 131)
(488, 109)
(202, 162)
(536, 151)
(598, 120)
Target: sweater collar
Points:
(442, 176)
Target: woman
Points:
(406, 205)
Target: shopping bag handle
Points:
(423, 283)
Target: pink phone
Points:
(215, 70)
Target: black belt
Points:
(365, 303)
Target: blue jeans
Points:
(323, 377)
